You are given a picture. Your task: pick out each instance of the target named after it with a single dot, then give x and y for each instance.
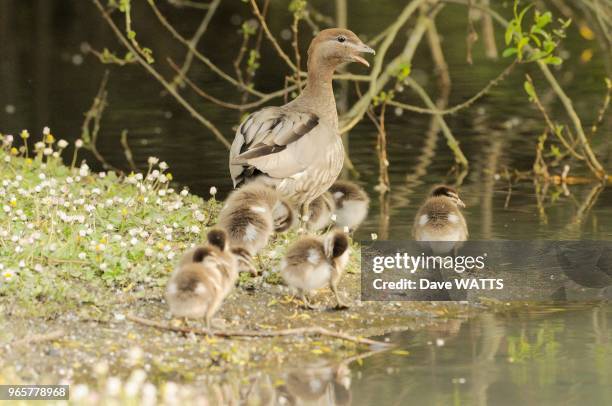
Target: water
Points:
(45, 79)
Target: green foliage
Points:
(69, 236)
(536, 42)
(108, 57)
(253, 62)
(521, 349)
(297, 7)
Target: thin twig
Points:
(95, 112)
(245, 106)
(40, 338)
(162, 19)
(452, 110)
(551, 125)
(127, 151)
(451, 141)
(377, 83)
(271, 37)
(200, 31)
(300, 331)
(159, 77)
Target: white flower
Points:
(6, 208)
(195, 229)
(161, 192)
(148, 252)
(69, 180)
(38, 268)
(41, 176)
(78, 143)
(84, 170)
(82, 255)
(8, 139)
(96, 191)
(103, 266)
(55, 154)
(79, 392)
(184, 192)
(333, 218)
(138, 176)
(39, 146)
(171, 255)
(152, 160)
(440, 342)
(8, 275)
(113, 386)
(213, 191)
(46, 131)
(102, 175)
(374, 236)
(163, 165)
(134, 241)
(22, 264)
(62, 144)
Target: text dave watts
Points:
(426, 284)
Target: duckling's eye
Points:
(341, 38)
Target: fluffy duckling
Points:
(314, 262)
(250, 216)
(440, 219)
(320, 213)
(204, 277)
(352, 203)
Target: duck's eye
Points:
(341, 38)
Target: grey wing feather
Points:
(266, 133)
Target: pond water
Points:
(531, 356)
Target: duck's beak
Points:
(362, 48)
(460, 203)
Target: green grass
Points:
(70, 237)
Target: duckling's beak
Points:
(460, 203)
(362, 48)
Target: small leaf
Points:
(553, 60)
(400, 352)
(530, 90)
(509, 52)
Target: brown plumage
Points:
(250, 216)
(439, 219)
(203, 278)
(296, 147)
(352, 203)
(314, 262)
(320, 212)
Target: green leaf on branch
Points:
(530, 90)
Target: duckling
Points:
(320, 213)
(313, 262)
(204, 276)
(318, 382)
(250, 216)
(440, 219)
(352, 203)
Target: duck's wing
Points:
(266, 142)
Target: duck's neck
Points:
(318, 95)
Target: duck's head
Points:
(447, 191)
(335, 46)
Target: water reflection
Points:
(544, 355)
